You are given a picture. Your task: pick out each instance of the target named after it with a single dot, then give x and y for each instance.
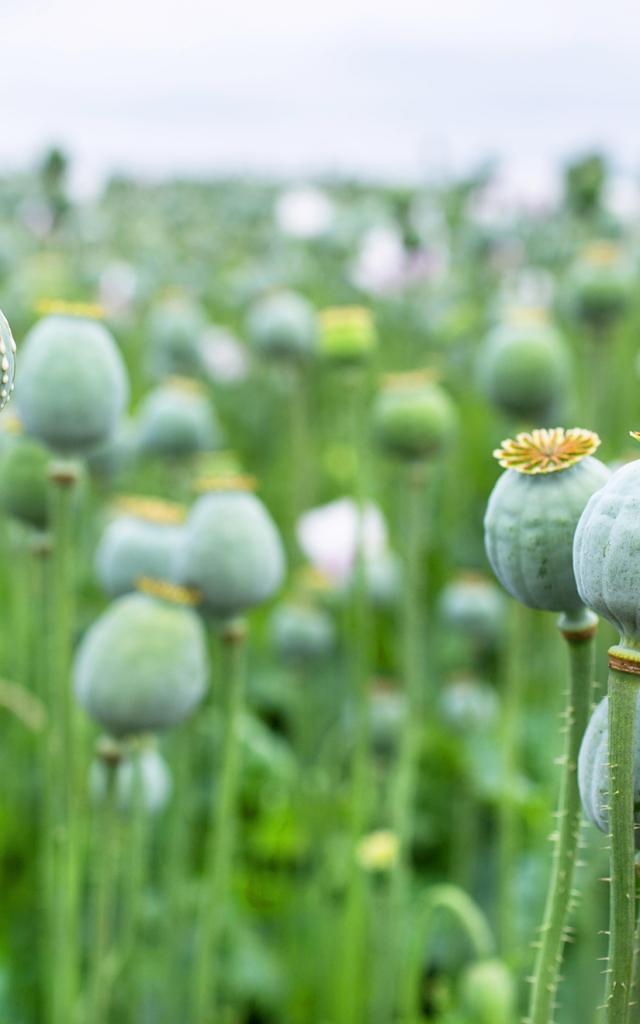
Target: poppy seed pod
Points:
(606, 553)
(601, 286)
(176, 419)
(7, 361)
(144, 540)
(24, 481)
(523, 366)
(302, 633)
(473, 605)
(232, 553)
(154, 780)
(347, 335)
(413, 418)
(174, 331)
(533, 511)
(283, 326)
(469, 705)
(142, 666)
(488, 992)
(593, 769)
(73, 383)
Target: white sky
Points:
(296, 87)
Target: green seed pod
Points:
(607, 555)
(301, 633)
(601, 286)
(593, 769)
(533, 512)
(73, 383)
(413, 418)
(112, 458)
(233, 553)
(283, 326)
(142, 666)
(24, 481)
(154, 779)
(469, 706)
(523, 366)
(347, 335)
(387, 712)
(177, 419)
(7, 361)
(473, 605)
(488, 993)
(145, 540)
(174, 331)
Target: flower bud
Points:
(347, 335)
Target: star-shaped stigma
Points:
(546, 451)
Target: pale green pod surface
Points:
(469, 705)
(24, 481)
(593, 769)
(301, 633)
(142, 666)
(176, 420)
(473, 606)
(7, 361)
(174, 332)
(529, 527)
(283, 326)
(131, 548)
(73, 385)
(601, 291)
(154, 779)
(116, 454)
(233, 553)
(413, 422)
(488, 992)
(607, 551)
(524, 370)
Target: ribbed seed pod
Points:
(73, 383)
(142, 666)
(283, 326)
(347, 335)
(301, 633)
(233, 553)
(523, 366)
(144, 540)
(593, 769)
(533, 512)
(413, 418)
(176, 419)
(24, 481)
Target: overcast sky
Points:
(293, 87)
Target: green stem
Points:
(105, 865)
(214, 902)
(623, 696)
(134, 888)
(176, 867)
(65, 741)
(349, 982)
(580, 636)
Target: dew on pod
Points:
(283, 326)
(533, 512)
(301, 633)
(7, 361)
(413, 417)
(144, 539)
(174, 330)
(593, 770)
(347, 335)
(147, 769)
(73, 383)
(523, 366)
(142, 666)
(177, 419)
(233, 553)
(473, 605)
(601, 285)
(24, 480)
